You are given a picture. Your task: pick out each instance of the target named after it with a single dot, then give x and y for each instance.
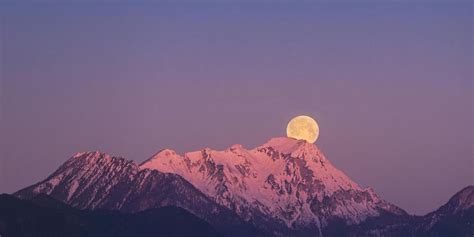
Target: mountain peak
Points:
(87, 154)
(236, 147)
(285, 179)
(462, 200)
(283, 185)
(284, 141)
(92, 155)
(165, 155)
(166, 152)
(288, 145)
(292, 148)
(287, 182)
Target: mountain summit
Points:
(283, 187)
(94, 180)
(455, 218)
(285, 181)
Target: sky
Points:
(390, 84)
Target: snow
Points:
(280, 179)
(77, 155)
(245, 173)
(72, 189)
(48, 186)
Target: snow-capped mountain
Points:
(286, 180)
(94, 180)
(283, 187)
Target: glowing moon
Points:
(303, 128)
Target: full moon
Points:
(303, 128)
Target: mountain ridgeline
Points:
(285, 187)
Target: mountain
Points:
(285, 187)
(455, 218)
(45, 216)
(285, 181)
(93, 180)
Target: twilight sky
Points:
(390, 84)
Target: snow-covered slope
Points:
(285, 187)
(285, 180)
(94, 180)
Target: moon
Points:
(303, 128)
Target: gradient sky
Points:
(390, 85)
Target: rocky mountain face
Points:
(284, 187)
(455, 218)
(284, 181)
(94, 180)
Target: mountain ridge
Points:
(96, 180)
(283, 169)
(284, 187)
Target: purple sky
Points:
(390, 85)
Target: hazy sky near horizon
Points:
(390, 85)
